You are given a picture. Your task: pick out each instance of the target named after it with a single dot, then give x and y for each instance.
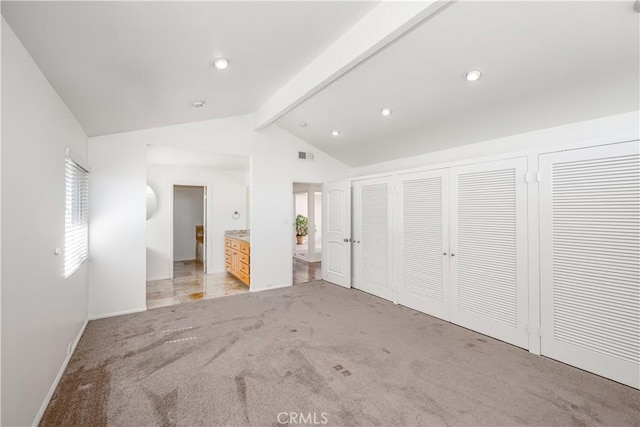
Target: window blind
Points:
(76, 237)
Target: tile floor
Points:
(302, 250)
(304, 272)
(189, 283)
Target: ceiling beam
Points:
(382, 25)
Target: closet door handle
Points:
(453, 254)
(444, 253)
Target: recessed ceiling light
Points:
(199, 104)
(221, 63)
(302, 124)
(335, 132)
(386, 112)
(473, 75)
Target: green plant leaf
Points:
(302, 225)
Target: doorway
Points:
(196, 198)
(189, 225)
(307, 232)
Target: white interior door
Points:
(590, 259)
(424, 242)
(372, 237)
(489, 249)
(336, 233)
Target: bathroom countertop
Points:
(239, 235)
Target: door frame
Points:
(206, 219)
(310, 193)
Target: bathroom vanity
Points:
(238, 256)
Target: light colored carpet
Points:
(350, 358)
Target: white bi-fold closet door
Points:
(590, 259)
(372, 237)
(461, 247)
(423, 212)
(488, 249)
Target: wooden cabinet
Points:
(238, 258)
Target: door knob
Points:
(346, 239)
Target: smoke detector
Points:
(199, 104)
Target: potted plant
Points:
(302, 228)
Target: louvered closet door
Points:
(424, 242)
(589, 237)
(489, 249)
(372, 237)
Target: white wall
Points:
(227, 193)
(188, 212)
(274, 167)
(301, 204)
(42, 312)
(117, 237)
(617, 128)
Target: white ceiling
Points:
(170, 156)
(544, 64)
(122, 66)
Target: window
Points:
(76, 217)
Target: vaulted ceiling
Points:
(544, 63)
(122, 66)
(314, 67)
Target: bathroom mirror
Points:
(152, 202)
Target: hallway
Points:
(304, 272)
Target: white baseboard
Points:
(270, 288)
(154, 279)
(49, 395)
(117, 313)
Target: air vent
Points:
(305, 156)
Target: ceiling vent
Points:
(305, 156)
